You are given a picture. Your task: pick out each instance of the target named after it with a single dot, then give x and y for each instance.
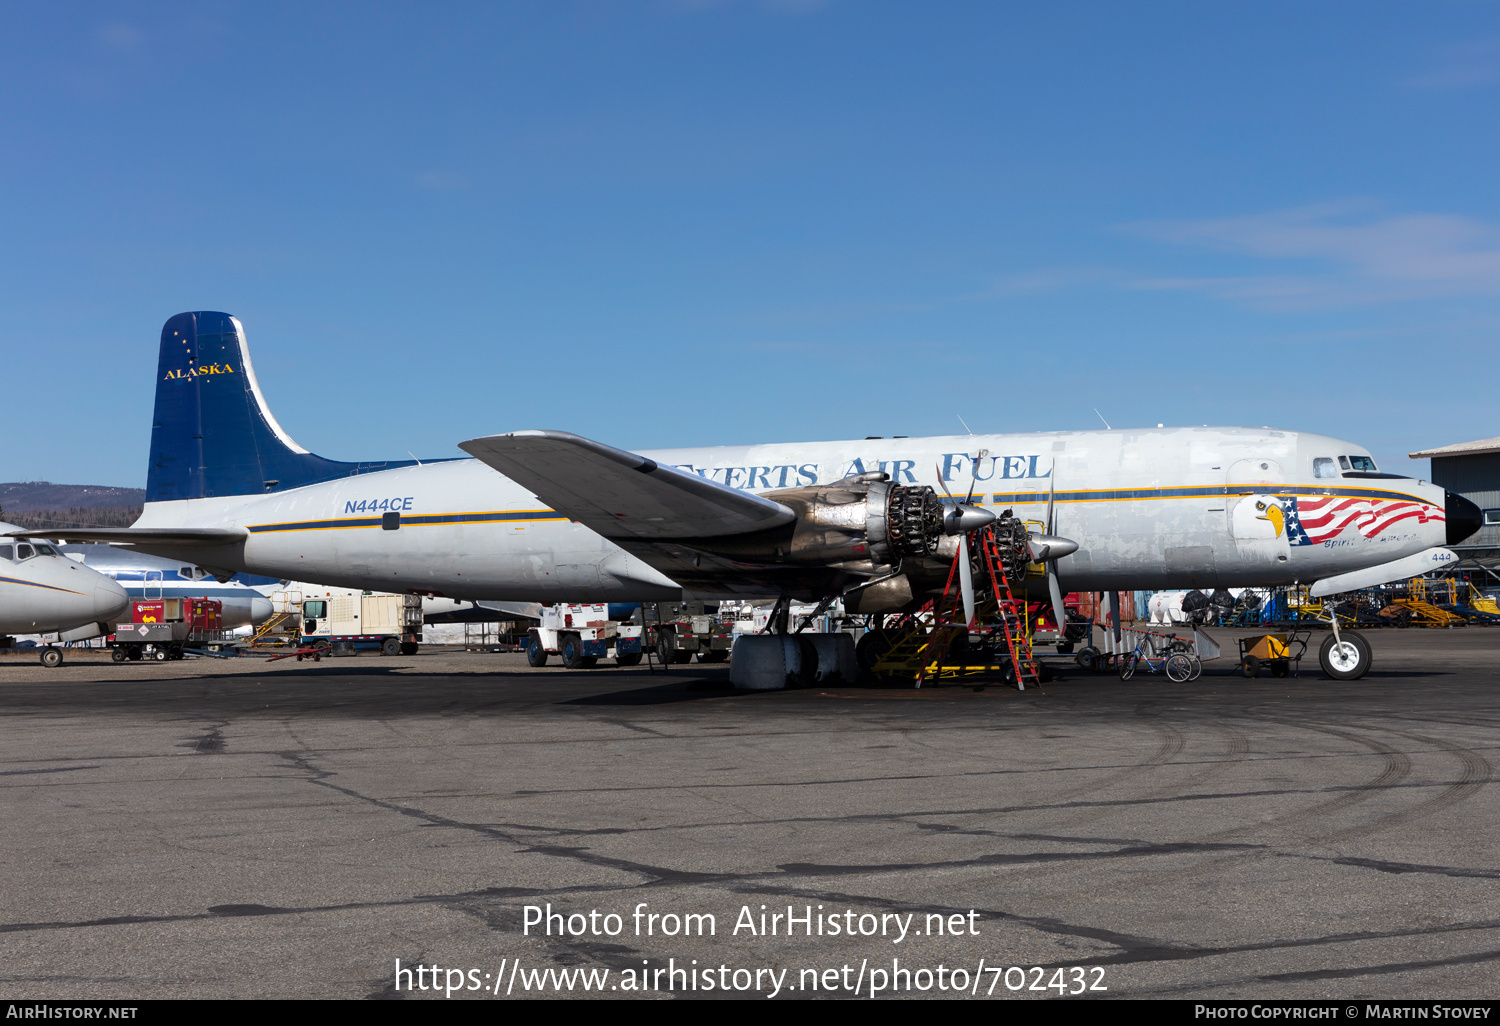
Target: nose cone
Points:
(1464, 518)
(962, 519)
(260, 611)
(110, 600)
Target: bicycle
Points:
(1176, 662)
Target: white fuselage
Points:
(41, 591)
(1150, 509)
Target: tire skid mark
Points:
(1476, 772)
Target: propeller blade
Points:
(1057, 600)
(965, 578)
(1051, 496)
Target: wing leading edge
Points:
(621, 495)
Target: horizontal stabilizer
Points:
(1396, 570)
(171, 536)
(622, 495)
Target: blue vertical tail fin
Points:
(212, 433)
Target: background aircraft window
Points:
(7, 552)
(1361, 463)
(1491, 518)
(1323, 467)
(24, 552)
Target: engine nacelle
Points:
(861, 519)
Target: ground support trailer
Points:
(582, 635)
(707, 636)
(162, 629)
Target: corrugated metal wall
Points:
(1476, 478)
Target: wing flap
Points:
(622, 495)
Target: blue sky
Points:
(675, 222)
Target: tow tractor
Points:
(582, 634)
(163, 629)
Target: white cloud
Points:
(1360, 258)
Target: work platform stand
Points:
(926, 651)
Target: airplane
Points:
(152, 577)
(41, 592)
(547, 516)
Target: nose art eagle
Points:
(1271, 511)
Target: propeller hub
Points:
(1046, 547)
(966, 519)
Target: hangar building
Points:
(1472, 469)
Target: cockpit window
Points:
(7, 552)
(1323, 467)
(185, 572)
(24, 552)
(45, 550)
(1363, 464)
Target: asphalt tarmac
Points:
(231, 828)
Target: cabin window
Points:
(24, 552)
(7, 552)
(1491, 517)
(1323, 467)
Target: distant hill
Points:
(37, 505)
(25, 496)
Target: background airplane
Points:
(42, 591)
(144, 576)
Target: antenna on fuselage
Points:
(961, 421)
(1101, 417)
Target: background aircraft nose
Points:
(110, 600)
(260, 611)
(1464, 518)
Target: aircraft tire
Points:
(536, 655)
(1345, 658)
(51, 656)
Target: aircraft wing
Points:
(621, 495)
(171, 536)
